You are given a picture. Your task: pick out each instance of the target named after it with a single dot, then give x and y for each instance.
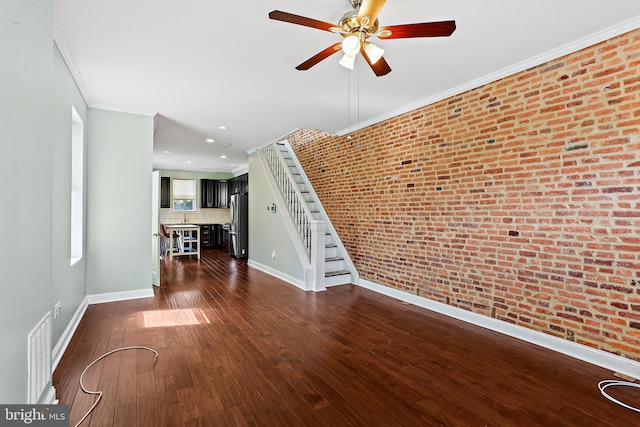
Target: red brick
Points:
(503, 168)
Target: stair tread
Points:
(336, 273)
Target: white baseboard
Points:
(280, 275)
(49, 396)
(64, 340)
(120, 296)
(596, 357)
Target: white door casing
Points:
(155, 228)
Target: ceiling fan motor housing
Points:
(349, 24)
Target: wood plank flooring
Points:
(238, 347)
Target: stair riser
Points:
(331, 252)
(333, 265)
(344, 279)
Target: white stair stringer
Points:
(338, 268)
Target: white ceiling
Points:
(199, 64)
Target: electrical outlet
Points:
(273, 254)
(56, 310)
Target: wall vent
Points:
(39, 354)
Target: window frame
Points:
(183, 194)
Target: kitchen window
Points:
(184, 194)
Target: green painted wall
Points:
(68, 281)
(267, 231)
(26, 74)
(119, 168)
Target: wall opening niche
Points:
(77, 186)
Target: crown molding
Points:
(58, 38)
(122, 109)
(592, 39)
(63, 47)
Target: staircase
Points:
(338, 269)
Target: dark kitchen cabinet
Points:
(217, 235)
(238, 185)
(206, 241)
(213, 193)
(223, 194)
(165, 192)
(211, 236)
(208, 194)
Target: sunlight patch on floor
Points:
(182, 317)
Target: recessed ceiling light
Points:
(222, 127)
(231, 164)
(188, 162)
(210, 141)
(226, 145)
(167, 152)
(223, 157)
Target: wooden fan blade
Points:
(278, 15)
(370, 8)
(319, 57)
(424, 29)
(380, 68)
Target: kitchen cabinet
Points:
(165, 192)
(217, 236)
(223, 194)
(211, 236)
(207, 193)
(238, 185)
(206, 241)
(213, 193)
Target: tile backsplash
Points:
(201, 216)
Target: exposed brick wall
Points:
(520, 197)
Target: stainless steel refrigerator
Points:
(239, 231)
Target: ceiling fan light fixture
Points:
(348, 61)
(351, 45)
(373, 52)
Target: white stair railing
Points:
(310, 230)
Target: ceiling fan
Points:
(356, 27)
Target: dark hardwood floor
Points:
(239, 347)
